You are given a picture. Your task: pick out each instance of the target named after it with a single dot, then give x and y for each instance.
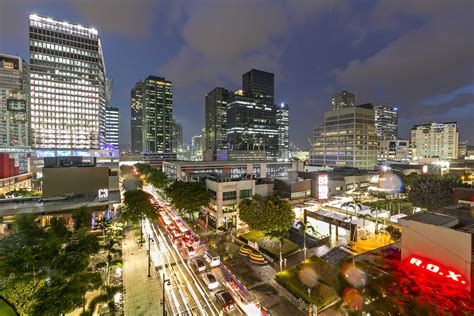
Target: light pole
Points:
(150, 240)
(163, 301)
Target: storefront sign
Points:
(103, 193)
(448, 274)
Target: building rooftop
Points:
(432, 219)
(57, 205)
(182, 163)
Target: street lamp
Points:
(150, 240)
(163, 302)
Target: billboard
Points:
(16, 105)
(323, 189)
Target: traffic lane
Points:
(191, 280)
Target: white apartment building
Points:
(435, 140)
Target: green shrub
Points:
(321, 295)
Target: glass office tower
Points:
(68, 100)
(136, 117)
(157, 116)
(216, 122)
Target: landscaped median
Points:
(315, 273)
(270, 245)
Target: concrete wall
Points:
(447, 246)
(74, 180)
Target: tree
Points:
(432, 192)
(272, 214)
(138, 205)
(143, 169)
(188, 197)
(158, 179)
(249, 212)
(82, 218)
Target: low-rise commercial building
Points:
(394, 150)
(226, 193)
(439, 244)
(198, 170)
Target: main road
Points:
(185, 292)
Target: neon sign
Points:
(448, 274)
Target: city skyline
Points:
(373, 35)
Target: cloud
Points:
(223, 39)
(124, 17)
(431, 60)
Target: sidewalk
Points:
(142, 294)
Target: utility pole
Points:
(150, 240)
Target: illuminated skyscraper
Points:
(282, 120)
(260, 85)
(14, 101)
(136, 117)
(386, 122)
(216, 122)
(112, 124)
(68, 97)
(347, 138)
(157, 116)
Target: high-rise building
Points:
(197, 146)
(112, 126)
(216, 122)
(14, 101)
(343, 99)
(386, 122)
(347, 138)
(282, 120)
(157, 116)
(177, 136)
(251, 126)
(435, 140)
(136, 117)
(68, 97)
(260, 85)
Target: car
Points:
(199, 265)
(188, 241)
(213, 258)
(210, 280)
(226, 301)
(190, 251)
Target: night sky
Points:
(416, 55)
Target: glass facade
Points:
(251, 125)
(136, 117)
(68, 100)
(112, 126)
(157, 115)
(386, 122)
(14, 102)
(282, 119)
(343, 99)
(216, 122)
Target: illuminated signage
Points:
(103, 193)
(323, 189)
(430, 266)
(425, 169)
(16, 105)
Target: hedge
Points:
(328, 273)
(321, 295)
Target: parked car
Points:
(210, 280)
(226, 300)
